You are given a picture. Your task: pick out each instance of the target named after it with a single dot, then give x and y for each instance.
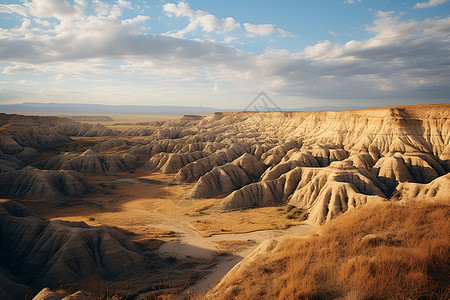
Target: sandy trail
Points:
(227, 263)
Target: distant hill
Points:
(91, 118)
(102, 109)
(77, 108)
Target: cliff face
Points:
(420, 128)
(381, 147)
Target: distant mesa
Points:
(192, 117)
(92, 118)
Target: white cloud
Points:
(20, 69)
(259, 29)
(124, 4)
(352, 1)
(403, 59)
(199, 19)
(27, 82)
(285, 33)
(13, 8)
(331, 32)
(181, 9)
(59, 9)
(430, 3)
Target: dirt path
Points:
(227, 263)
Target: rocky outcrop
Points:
(324, 192)
(412, 167)
(115, 143)
(220, 180)
(139, 131)
(438, 189)
(193, 171)
(90, 162)
(229, 177)
(144, 152)
(33, 183)
(293, 159)
(275, 154)
(6, 166)
(337, 188)
(48, 294)
(11, 290)
(269, 192)
(47, 253)
(87, 130)
(206, 147)
(361, 161)
(325, 154)
(172, 162)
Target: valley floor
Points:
(158, 216)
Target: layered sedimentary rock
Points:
(90, 162)
(269, 192)
(438, 189)
(275, 154)
(173, 162)
(229, 177)
(410, 167)
(32, 183)
(193, 171)
(144, 152)
(382, 147)
(379, 148)
(49, 253)
(324, 192)
(337, 188)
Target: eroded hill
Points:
(315, 165)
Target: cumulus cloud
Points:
(20, 69)
(430, 3)
(260, 29)
(391, 65)
(200, 19)
(402, 59)
(124, 4)
(59, 9)
(13, 8)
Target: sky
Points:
(302, 53)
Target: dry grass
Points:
(384, 251)
(234, 246)
(243, 221)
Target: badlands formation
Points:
(168, 207)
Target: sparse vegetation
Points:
(296, 213)
(384, 251)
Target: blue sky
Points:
(223, 53)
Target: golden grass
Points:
(234, 246)
(248, 220)
(384, 251)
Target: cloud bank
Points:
(402, 60)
